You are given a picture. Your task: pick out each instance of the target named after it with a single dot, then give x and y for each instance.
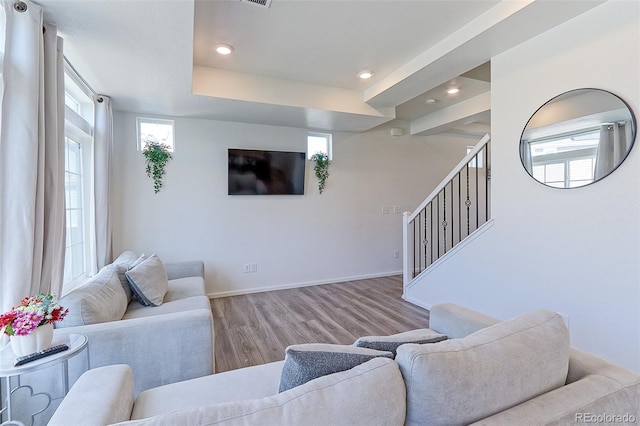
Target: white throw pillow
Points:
(122, 264)
(149, 282)
(101, 299)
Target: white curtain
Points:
(103, 143)
(615, 141)
(32, 215)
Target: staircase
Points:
(451, 214)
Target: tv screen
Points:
(256, 172)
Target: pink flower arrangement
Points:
(32, 312)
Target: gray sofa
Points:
(520, 371)
(121, 330)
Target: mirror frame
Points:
(634, 131)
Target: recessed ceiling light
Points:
(430, 101)
(365, 74)
(453, 90)
(224, 49)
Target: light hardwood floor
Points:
(256, 328)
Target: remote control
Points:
(37, 355)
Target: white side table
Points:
(76, 342)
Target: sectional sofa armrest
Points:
(161, 349)
(456, 321)
(583, 364)
(193, 268)
(577, 403)
(100, 397)
(594, 387)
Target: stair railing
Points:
(457, 207)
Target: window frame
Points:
(150, 120)
(79, 129)
(328, 137)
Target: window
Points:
(155, 130)
(72, 103)
(74, 253)
(319, 142)
(78, 171)
(566, 162)
(472, 163)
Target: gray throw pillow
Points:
(306, 362)
(149, 281)
(391, 343)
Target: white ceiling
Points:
(325, 42)
(295, 63)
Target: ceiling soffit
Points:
(497, 29)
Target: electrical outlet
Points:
(247, 268)
(254, 267)
(396, 209)
(396, 254)
(385, 209)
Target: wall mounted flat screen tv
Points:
(256, 172)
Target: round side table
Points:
(76, 342)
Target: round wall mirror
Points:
(577, 138)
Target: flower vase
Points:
(36, 341)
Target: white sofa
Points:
(520, 372)
(162, 344)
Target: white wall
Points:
(574, 251)
(295, 240)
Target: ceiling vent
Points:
(261, 3)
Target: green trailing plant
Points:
(156, 156)
(321, 168)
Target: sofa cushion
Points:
(183, 288)
(372, 393)
(149, 281)
(101, 299)
(460, 381)
(183, 294)
(122, 264)
(391, 343)
(257, 381)
(136, 310)
(306, 362)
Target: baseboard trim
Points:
(219, 294)
(416, 302)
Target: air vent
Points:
(261, 3)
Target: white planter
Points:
(39, 339)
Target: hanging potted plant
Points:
(321, 168)
(156, 156)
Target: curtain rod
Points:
(98, 96)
